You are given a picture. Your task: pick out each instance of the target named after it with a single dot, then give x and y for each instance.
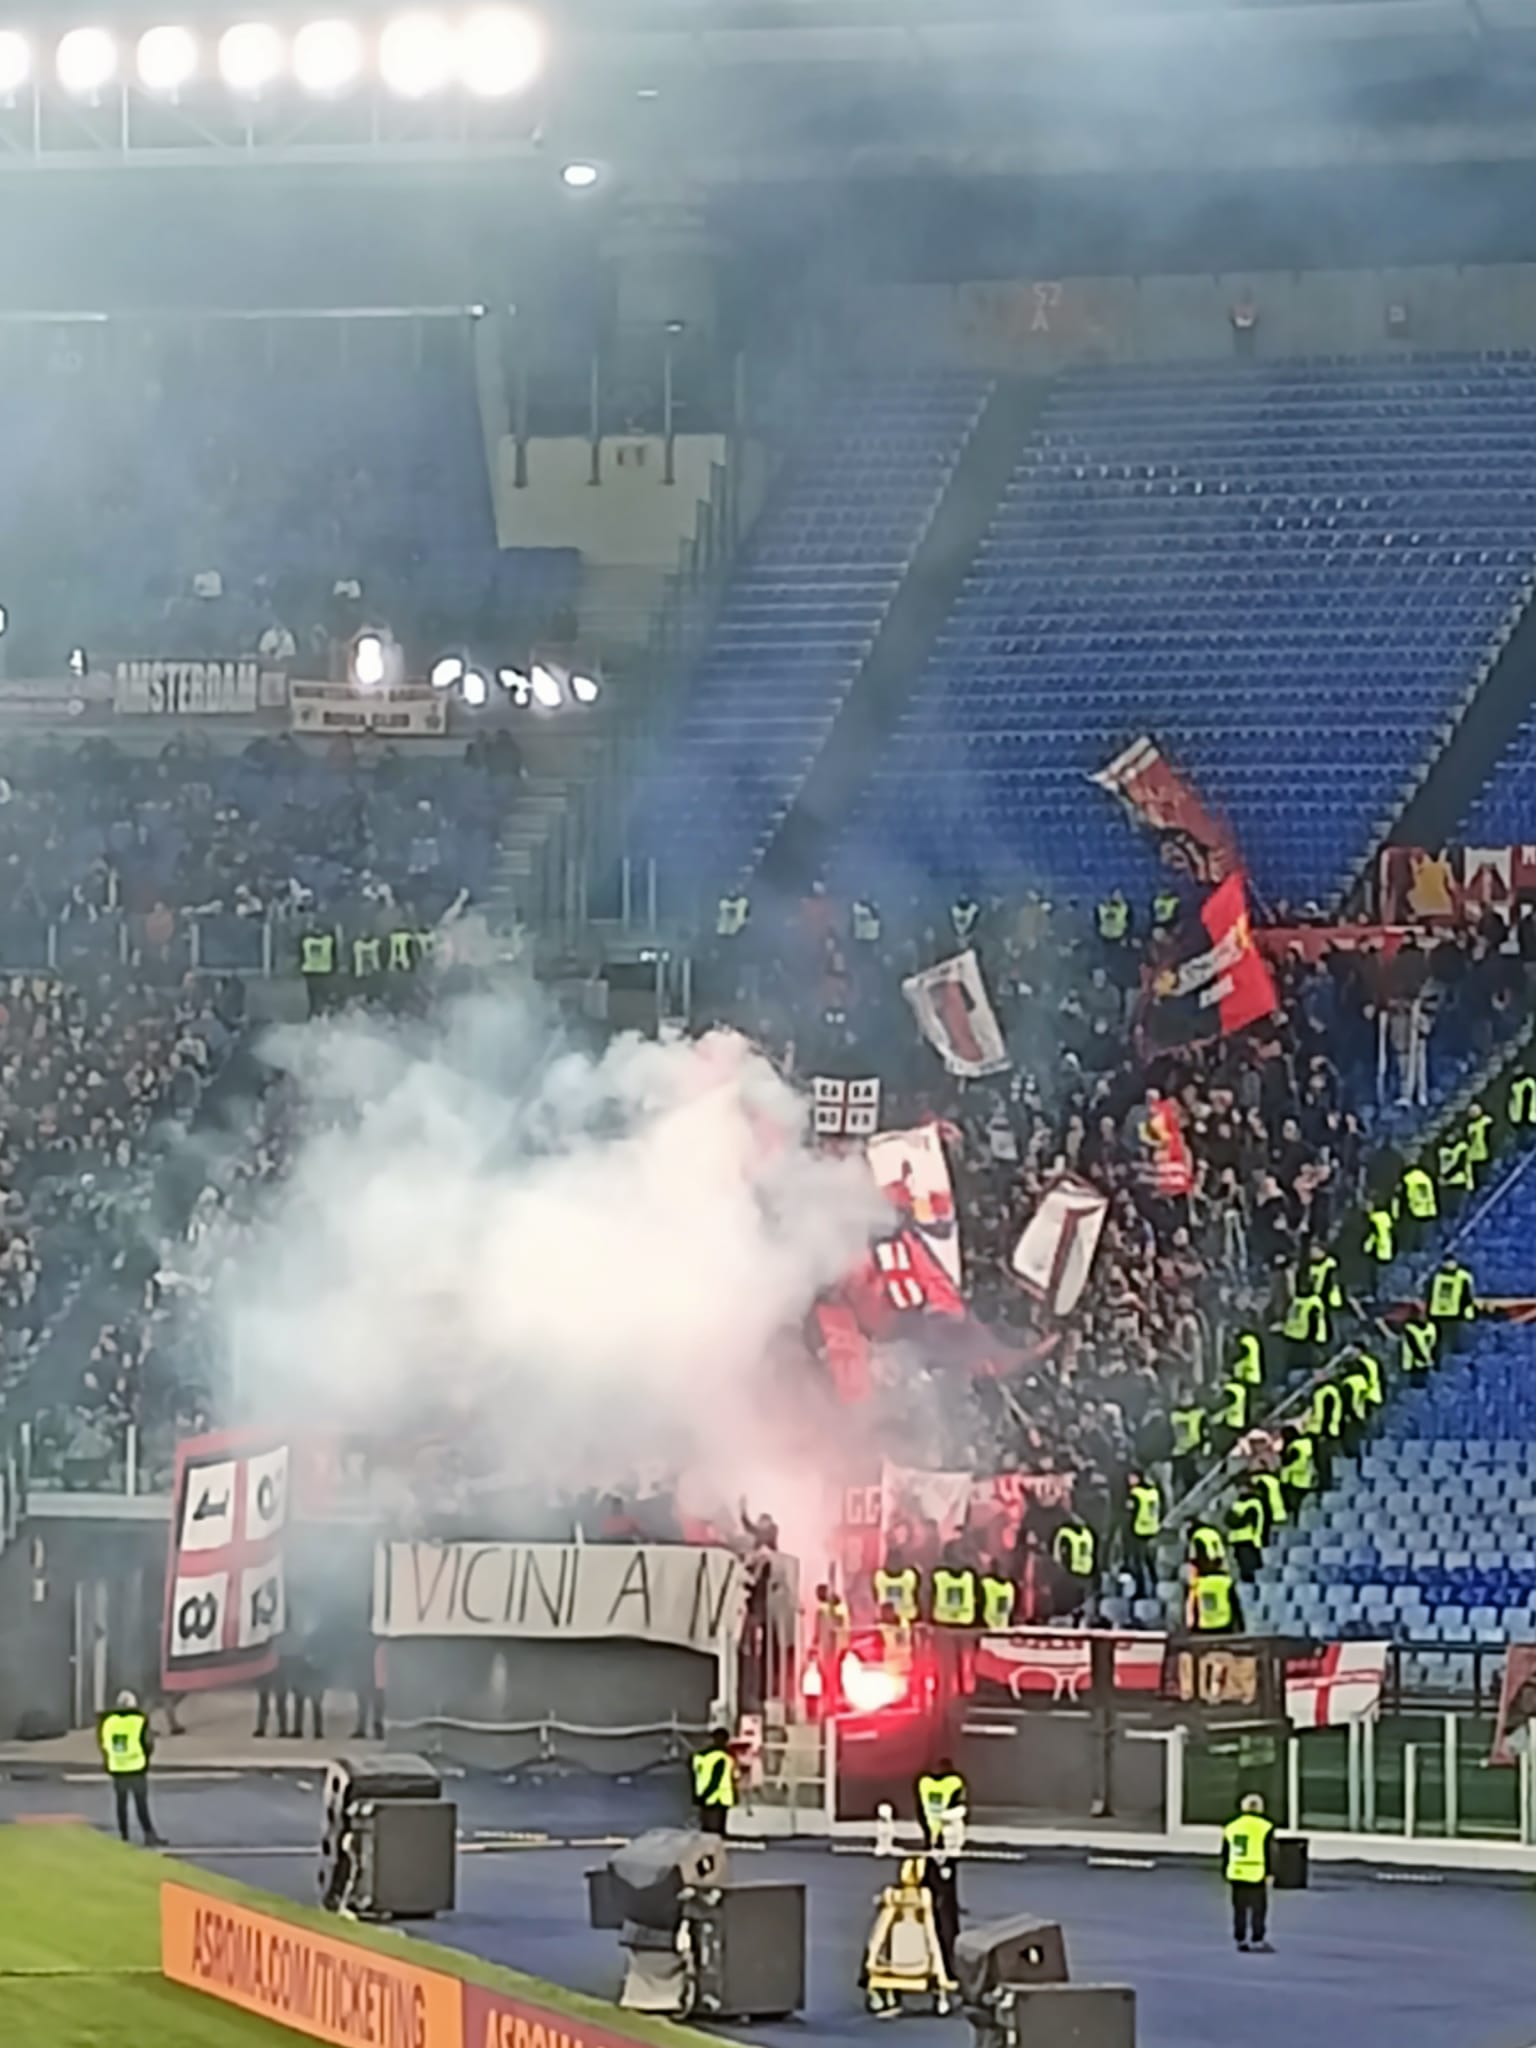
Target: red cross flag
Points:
(225, 1597)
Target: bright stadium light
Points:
(446, 671)
(585, 689)
(327, 56)
(476, 688)
(546, 687)
(86, 60)
(79, 662)
(416, 53)
(250, 56)
(501, 50)
(167, 59)
(15, 62)
(579, 177)
(368, 660)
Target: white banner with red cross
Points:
(1343, 1684)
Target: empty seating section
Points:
(1504, 812)
(801, 613)
(1287, 573)
(1429, 1534)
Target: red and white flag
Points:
(1035, 1661)
(1344, 1684)
(955, 1015)
(912, 1172)
(1054, 1254)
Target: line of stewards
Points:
(714, 1782)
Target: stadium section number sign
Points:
(686, 1595)
(225, 1603)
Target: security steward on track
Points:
(942, 1798)
(126, 1749)
(714, 1782)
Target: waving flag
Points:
(1054, 1255)
(1217, 981)
(955, 1015)
(1343, 1684)
(912, 1173)
(1189, 837)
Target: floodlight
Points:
(368, 660)
(501, 50)
(416, 55)
(546, 688)
(5, 621)
(579, 177)
(15, 62)
(585, 689)
(167, 59)
(79, 662)
(250, 56)
(511, 679)
(327, 56)
(445, 672)
(476, 688)
(86, 60)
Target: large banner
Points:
(1342, 1684)
(402, 713)
(1054, 1254)
(955, 1015)
(689, 1596)
(1157, 795)
(1516, 1728)
(196, 689)
(921, 1511)
(225, 1598)
(320, 1985)
(327, 1987)
(1217, 980)
(1033, 1662)
(1416, 886)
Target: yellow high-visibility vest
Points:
(123, 1742)
(714, 1778)
(1247, 1845)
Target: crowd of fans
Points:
(1282, 1122)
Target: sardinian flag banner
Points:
(1054, 1256)
(225, 1597)
(845, 1109)
(1188, 836)
(912, 1172)
(955, 1015)
(1217, 981)
(1343, 1684)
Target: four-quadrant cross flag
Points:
(1214, 980)
(225, 1603)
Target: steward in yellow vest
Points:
(714, 1782)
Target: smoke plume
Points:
(583, 1261)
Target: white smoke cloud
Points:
(587, 1259)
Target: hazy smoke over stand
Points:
(578, 1261)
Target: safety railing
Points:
(192, 942)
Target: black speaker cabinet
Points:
(605, 1901)
(407, 1860)
(748, 1944)
(1019, 1950)
(1061, 2016)
(1292, 1864)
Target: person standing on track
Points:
(1246, 1863)
(126, 1749)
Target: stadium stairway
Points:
(928, 593)
(1428, 1533)
(803, 611)
(1287, 572)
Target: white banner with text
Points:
(686, 1595)
(403, 713)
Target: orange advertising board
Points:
(331, 1990)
